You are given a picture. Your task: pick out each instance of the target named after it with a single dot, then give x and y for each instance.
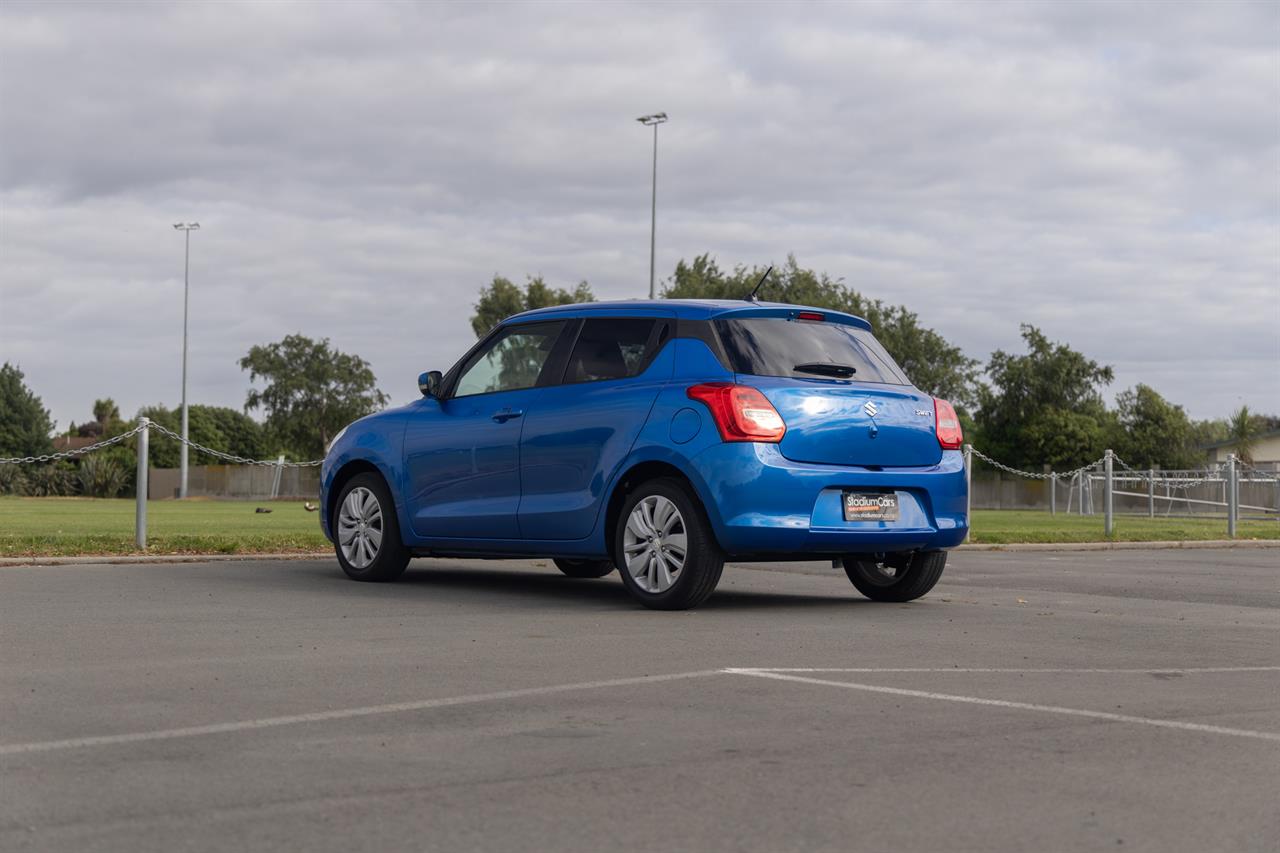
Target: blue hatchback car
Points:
(661, 438)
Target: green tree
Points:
(1156, 432)
(312, 391)
(500, 299)
(1206, 432)
(1243, 431)
(934, 364)
(24, 421)
(1045, 406)
(106, 412)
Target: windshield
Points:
(774, 346)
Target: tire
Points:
(655, 575)
(583, 568)
(373, 551)
(881, 581)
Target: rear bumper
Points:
(760, 502)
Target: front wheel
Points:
(899, 577)
(666, 552)
(366, 534)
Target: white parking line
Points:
(1022, 706)
(778, 673)
(337, 714)
(886, 669)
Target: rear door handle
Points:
(506, 414)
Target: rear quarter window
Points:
(775, 346)
(614, 348)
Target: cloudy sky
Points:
(1109, 172)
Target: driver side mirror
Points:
(429, 383)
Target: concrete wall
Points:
(234, 481)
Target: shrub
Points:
(13, 481)
(102, 476)
(56, 478)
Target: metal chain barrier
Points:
(1141, 476)
(239, 460)
(1183, 483)
(1180, 483)
(67, 454)
(1031, 475)
(142, 431)
(1259, 475)
(116, 439)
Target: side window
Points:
(514, 359)
(613, 348)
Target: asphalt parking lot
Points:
(1034, 701)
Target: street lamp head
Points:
(655, 118)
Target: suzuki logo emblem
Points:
(870, 408)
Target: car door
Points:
(462, 451)
(584, 427)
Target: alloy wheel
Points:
(360, 527)
(654, 544)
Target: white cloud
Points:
(1108, 172)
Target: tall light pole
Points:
(653, 120)
(188, 227)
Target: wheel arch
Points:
(343, 475)
(636, 475)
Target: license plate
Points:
(870, 506)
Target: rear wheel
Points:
(366, 533)
(584, 568)
(666, 552)
(898, 577)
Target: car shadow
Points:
(427, 578)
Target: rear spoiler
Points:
(792, 312)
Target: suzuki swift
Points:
(661, 438)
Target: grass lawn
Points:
(1006, 526)
(69, 526)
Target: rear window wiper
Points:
(826, 368)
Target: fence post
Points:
(968, 490)
(1233, 496)
(1108, 522)
(1053, 494)
(275, 481)
(1151, 493)
(140, 519)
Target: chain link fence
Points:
(1081, 483)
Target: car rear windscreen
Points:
(775, 346)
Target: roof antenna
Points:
(751, 297)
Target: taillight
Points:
(947, 425)
(741, 412)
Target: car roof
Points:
(686, 309)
